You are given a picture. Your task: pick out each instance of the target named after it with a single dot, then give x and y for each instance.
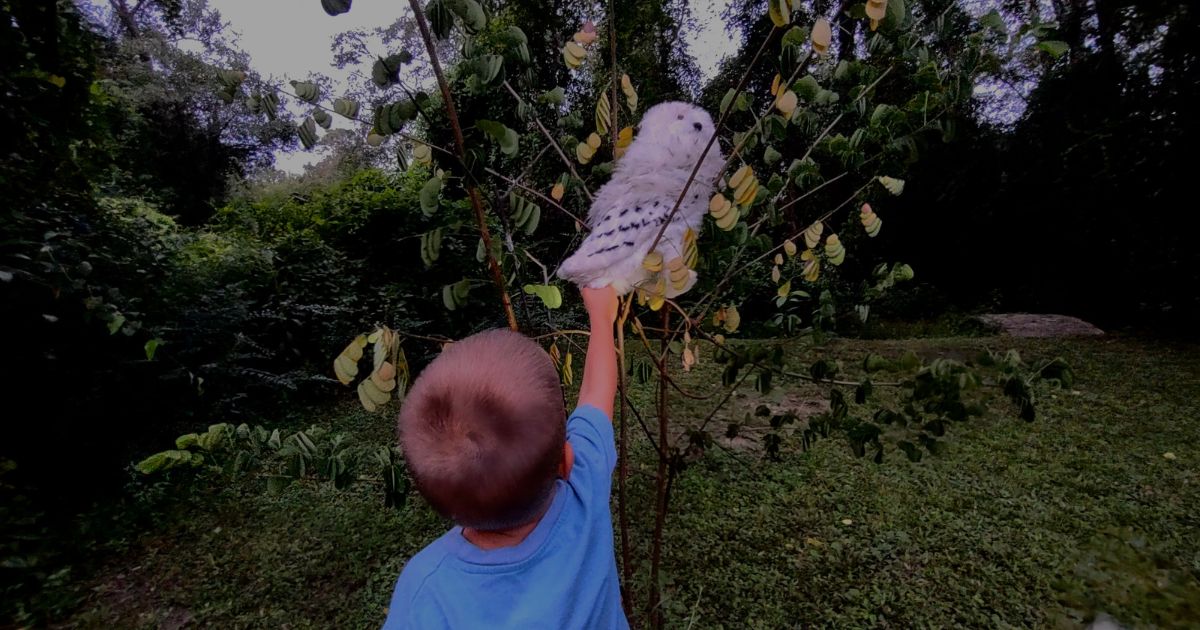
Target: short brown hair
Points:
(483, 430)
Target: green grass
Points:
(1015, 525)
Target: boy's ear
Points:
(568, 461)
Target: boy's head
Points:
(483, 430)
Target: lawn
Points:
(1015, 525)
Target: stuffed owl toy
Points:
(628, 212)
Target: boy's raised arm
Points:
(600, 368)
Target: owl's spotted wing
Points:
(618, 236)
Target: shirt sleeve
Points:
(590, 433)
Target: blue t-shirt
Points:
(563, 575)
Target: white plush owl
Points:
(632, 207)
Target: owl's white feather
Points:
(632, 207)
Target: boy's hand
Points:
(600, 367)
(601, 304)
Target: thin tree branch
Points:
(546, 132)
(461, 145)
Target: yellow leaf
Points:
(355, 349)
(876, 10)
(873, 229)
(573, 55)
(776, 81)
(747, 192)
(719, 206)
(678, 272)
(822, 34)
(807, 255)
(385, 377)
(719, 338)
(812, 235)
(603, 115)
(732, 319)
(778, 259)
(729, 220)
(587, 34)
(594, 140)
(556, 193)
(374, 139)
(422, 154)
(691, 249)
(775, 274)
(568, 374)
(584, 152)
(789, 248)
(366, 401)
(653, 262)
(689, 359)
(812, 270)
(631, 96)
(786, 103)
(740, 175)
(834, 250)
(555, 355)
(372, 392)
(780, 12)
(784, 289)
(893, 185)
(625, 137)
(344, 369)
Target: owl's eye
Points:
(679, 117)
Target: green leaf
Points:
(151, 346)
(115, 323)
(307, 131)
(488, 68)
(896, 13)
(441, 20)
(549, 294)
(167, 460)
(1053, 47)
(553, 97)
(429, 195)
(386, 70)
(470, 12)
(187, 441)
(771, 156)
(336, 7)
(307, 91)
(807, 87)
(796, 36)
(993, 20)
(505, 137)
(323, 118)
(431, 246)
(455, 295)
(727, 100)
(346, 107)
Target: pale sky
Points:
(290, 39)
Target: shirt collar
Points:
(464, 550)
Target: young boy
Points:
(485, 437)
